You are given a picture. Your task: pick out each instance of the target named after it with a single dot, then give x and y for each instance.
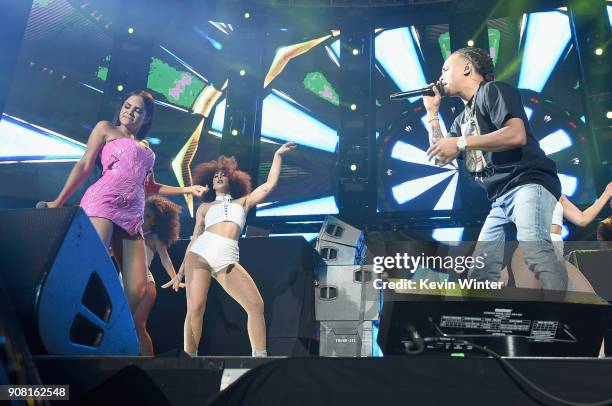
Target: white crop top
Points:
(225, 211)
(557, 217)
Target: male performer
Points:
(501, 153)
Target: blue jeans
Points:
(525, 211)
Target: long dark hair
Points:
(149, 102)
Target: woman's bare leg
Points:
(240, 286)
(197, 279)
(140, 319)
(104, 227)
(134, 271)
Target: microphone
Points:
(41, 205)
(425, 91)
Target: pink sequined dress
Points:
(119, 195)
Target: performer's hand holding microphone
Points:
(432, 96)
(432, 100)
(47, 205)
(430, 90)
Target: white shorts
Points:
(218, 251)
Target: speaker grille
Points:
(329, 253)
(95, 298)
(85, 332)
(363, 276)
(328, 293)
(334, 230)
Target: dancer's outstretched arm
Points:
(85, 165)
(154, 188)
(166, 262)
(262, 191)
(583, 218)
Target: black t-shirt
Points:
(494, 104)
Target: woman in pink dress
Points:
(115, 203)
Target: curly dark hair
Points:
(481, 61)
(240, 181)
(167, 224)
(604, 230)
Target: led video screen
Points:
(38, 126)
(188, 84)
(534, 53)
(300, 103)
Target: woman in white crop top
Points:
(564, 209)
(213, 250)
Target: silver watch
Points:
(461, 143)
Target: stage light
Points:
(555, 142)
(564, 232)
(397, 53)
(355, 52)
(130, 30)
(569, 184)
(470, 43)
(452, 234)
(234, 132)
(283, 121)
(247, 15)
(219, 116)
(120, 88)
(335, 46)
(599, 52)
(609, 114)
(242, 72)
(353, 168)
(408, 190)
(323, 205)
(353, 107)
(547, 35)
(23, 141)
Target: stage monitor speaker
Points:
(345, 339)
(339, 243)
(595, 266)
(513, 322)
(283, 270)
(16, 364)
(347, 293)
(172, 380)
(63, 284)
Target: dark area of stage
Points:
(418, 380)
(241, 77)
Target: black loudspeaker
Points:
(63, 284)
(176, 380)
(595, 266)
(283, 270)
(512, 322)
(16, 364)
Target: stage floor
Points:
(178, 379)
